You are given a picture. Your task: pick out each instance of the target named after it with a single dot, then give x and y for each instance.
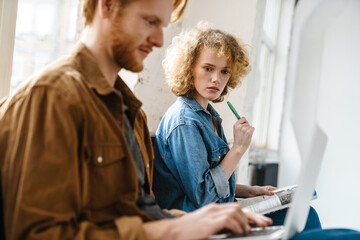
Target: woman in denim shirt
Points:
(194, 165)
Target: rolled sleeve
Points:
(221, 182)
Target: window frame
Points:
(266, 138)
(8, 14)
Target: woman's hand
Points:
(242, 137)
(245, 191)
(243, 132)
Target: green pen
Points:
(233, 110)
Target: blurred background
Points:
(305, 59)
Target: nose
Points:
(215, 77)
(157, 37)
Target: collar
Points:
(87, 65)
(193, 104)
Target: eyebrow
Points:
(212, 65)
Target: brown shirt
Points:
(66, 169)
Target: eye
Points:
(151, 21)
(225, 72)
(208, 69)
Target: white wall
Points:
(234, 16)
(324, 87)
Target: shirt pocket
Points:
(108, 175)
(218, 154)
(104, 155)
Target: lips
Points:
(214, 89)
(145, 51)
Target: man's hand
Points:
(207, 221)
(256, 219)
(245, 191)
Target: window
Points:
(45, 30)
(272, 37)
(8, 11)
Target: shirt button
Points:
(100, 159)
(118, 122)
(147, 165)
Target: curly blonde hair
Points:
(184, 50)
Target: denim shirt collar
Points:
(192, 103)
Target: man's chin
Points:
(137, 69)
(132, 67)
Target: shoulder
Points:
(64, 76)
(181, 113)
(178, 115)
(57, 84)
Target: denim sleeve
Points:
(188, 160)
(221, 182)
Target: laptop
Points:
(298, 211)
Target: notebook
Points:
(298, 211)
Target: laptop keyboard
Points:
(254, 233)
(264, 231)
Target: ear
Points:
(106, 7)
